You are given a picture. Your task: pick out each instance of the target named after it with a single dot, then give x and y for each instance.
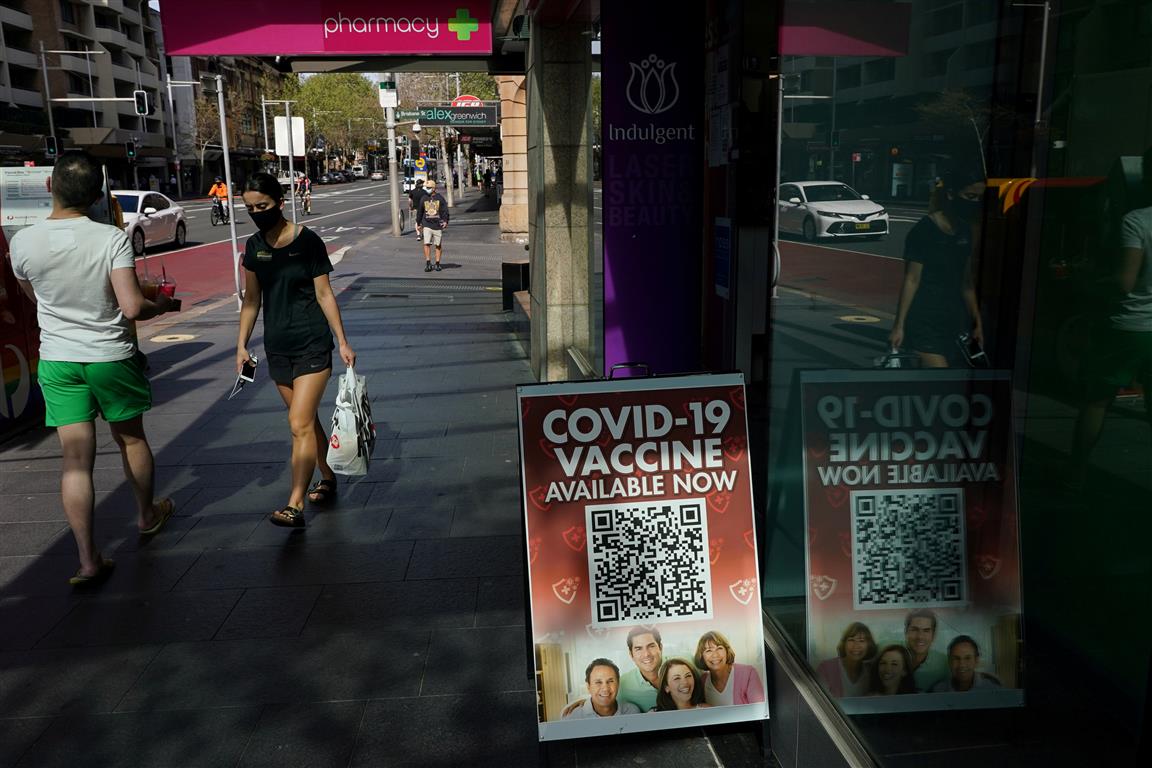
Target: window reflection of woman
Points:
(680, 687)
(847, 674)
(937, 296)
(891, 673)
(724, 681)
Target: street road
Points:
(342, 214)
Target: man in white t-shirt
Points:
(82, 277)
(603, 680)
(1122, 352)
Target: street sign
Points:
(420, 162)
(388, 96)
(855, 157)
(485, 115)
(298, 145)
(404, 115)
(467, 101)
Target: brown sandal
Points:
(324, 491)
(288, 517)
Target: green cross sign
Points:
(463, 24)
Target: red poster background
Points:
(990, 519)
(557, 540)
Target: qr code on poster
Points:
(648, 561)
(908, 548)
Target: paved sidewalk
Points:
(389, 632)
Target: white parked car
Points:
(377, 176)
(829, 209)
(151, 218)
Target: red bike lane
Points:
(201, 272)
(853, 278)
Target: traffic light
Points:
(51, 149)
(130, 148)
(141, 99)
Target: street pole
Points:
(264, 118)
(459, 154)
(832, 134)
(447, 167)
(175, 138)
(228, 180)
(47, 92)
(393, 182)
(291, 152)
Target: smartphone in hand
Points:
(248, 370)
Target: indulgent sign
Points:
(327, 27)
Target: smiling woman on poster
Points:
(847, 674)
(680, 687)
(892, 672)
(724, 681)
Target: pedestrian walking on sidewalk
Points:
(937, 295)
(417, 194)
(1121, 350)
(82, 276)
(286, 269)
(432, 220)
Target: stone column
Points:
(560, 200)
(514, 139)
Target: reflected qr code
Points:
(908, 548)
(648, 561)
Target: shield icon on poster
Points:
(566, 589)
(742, 590)
(823, 586)
(575, 538)
(987, 566)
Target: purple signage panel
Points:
(327, 27)
(653, 173)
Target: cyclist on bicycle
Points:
(304, 190)
(219, 196)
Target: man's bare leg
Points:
(78, 448)
(139, 468)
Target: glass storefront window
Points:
(964, 312)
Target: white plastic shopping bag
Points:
(353, 433)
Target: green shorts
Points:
(77, 392)
(1116, 360)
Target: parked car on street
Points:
(151, 218)
(829, 209)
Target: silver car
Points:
(151, 218)
(829, 209)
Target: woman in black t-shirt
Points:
(937, 298)
(286, 270)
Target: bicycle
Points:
(219, 212)
(305, 201)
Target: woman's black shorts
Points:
(284, 369)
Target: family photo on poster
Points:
(645, 602)
(913, 547)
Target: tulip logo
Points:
(652, 87)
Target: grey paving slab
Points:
(270, 613)
(469, 660)
(297, 565)
(207, 532)
(29, 538)
(136, 573)
(335, 667)
(25, 620)
(163, 618)
(419, 522)
(403, 605)
(48, 682)
(304, 736)
(457, 558)
(500, 602)
(486, 521)
(449, 731)
(34, 507)
(205, 738)
(338, 524)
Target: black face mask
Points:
(266, 219)
(969, 210)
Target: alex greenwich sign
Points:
(468, 117)
(645, 608)
(327, 27)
